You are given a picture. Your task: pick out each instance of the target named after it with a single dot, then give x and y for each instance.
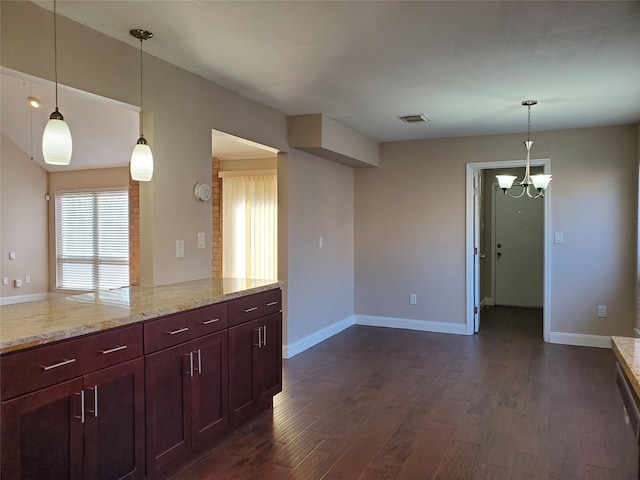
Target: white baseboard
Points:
(580, 339)
(33, 297)
(488, 301)
(309, 341)
(410, 324)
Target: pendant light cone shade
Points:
(56, 141)
(505, 181)
(141, 166)
(540, 182)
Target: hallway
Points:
(376, 403)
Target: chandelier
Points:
(539, 182)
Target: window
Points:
(92, 239)
(249, 227)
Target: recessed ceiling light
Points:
(34, 102)
(417, 118)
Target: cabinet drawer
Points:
(40, 367)
(180, 327)
(253, 306)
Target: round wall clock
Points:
(202, 192)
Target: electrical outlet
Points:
(602, 311)
(27, 279)
(321, 242)
(12, 255)
(179, 248)
(201, 241)
(17, 283)
(5, 280)
(413, 299)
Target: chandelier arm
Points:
(516, 196)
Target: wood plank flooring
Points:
(376, 403)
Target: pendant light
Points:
(141, 166)
(56, 139)
(539, 182)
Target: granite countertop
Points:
(24, 325)
(627, 351)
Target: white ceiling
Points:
(466, 65)
(103, 131)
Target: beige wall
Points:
(249, 164)
(410, 226)
(181, 111)
(23, 221)
(320, 204)
(78, 180)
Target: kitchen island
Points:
(627, 352)
(135, 382)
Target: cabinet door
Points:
(42, 434)
(243, 399)
(114, 422)
(270, 359)
(168, 375)
(210, 389)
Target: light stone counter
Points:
(627, 351)
(28, 324)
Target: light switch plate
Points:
(558, 237)
(179, 248)
(201, 241)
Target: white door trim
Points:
(469, 258)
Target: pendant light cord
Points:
(141, 102)
(55, 51)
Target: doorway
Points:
(474, 252)
(245, 206)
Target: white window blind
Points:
(92, 239)
(250, 227)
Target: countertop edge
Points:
(624, 363)
(29, 342)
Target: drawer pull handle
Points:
(95, 401)
(207, 322)
(180, 330)
(271, 304)
(112, 350)
(61, 364)
(252, 309)
(81, 416)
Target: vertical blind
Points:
(92, 239)
(250, 227)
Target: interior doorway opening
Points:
(245, 208)
(524, 281)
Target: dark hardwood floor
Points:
(376, 403)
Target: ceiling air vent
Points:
(418, 118)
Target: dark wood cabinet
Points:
(89, 427)
(186, 391)
(42, 434)
(255, 366)
(114, 422)
(139, 401)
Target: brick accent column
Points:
(216, 227)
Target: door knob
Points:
(482, 256)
